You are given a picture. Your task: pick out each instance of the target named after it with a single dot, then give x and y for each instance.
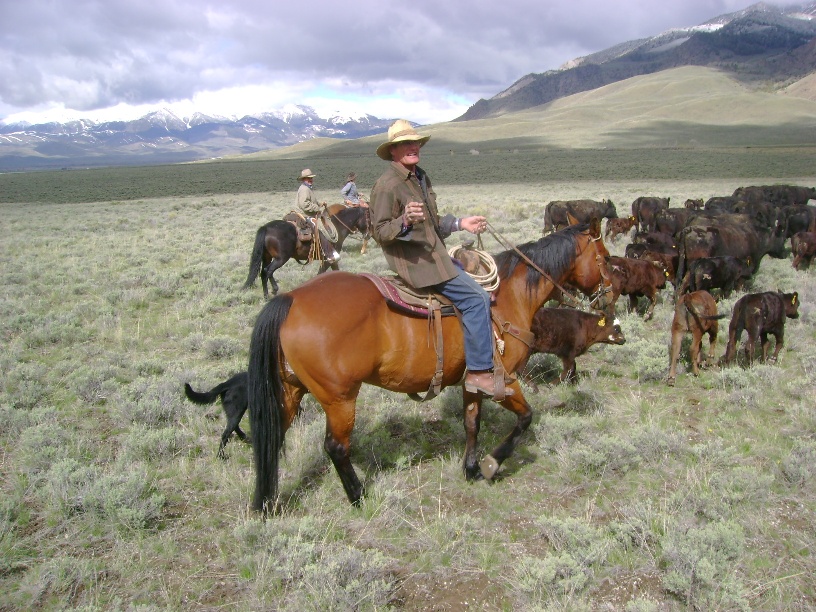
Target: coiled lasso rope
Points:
(325, 226)
(489, 280)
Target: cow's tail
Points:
(256, 259)
(735, 329)
(265, 395)
(703, 317)
(548, 224)
(681, 255)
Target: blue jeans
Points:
(474, 304)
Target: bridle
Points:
(367, 216)
(604, 284)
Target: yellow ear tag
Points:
(793, 300)
(601, 321)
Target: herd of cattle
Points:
(704, 249)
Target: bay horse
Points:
(352, 220)
(277, 242)
(300, 344)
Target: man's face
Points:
(406, 153)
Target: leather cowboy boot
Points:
(484, 382)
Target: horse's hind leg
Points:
(269, 274)
(339, 423)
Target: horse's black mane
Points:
(553, 253)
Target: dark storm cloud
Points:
(90, 54)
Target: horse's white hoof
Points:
(489, 466)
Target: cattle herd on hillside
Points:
(706, 250)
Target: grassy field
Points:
(625, 494)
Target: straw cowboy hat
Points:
(400, 131)
(306, 173)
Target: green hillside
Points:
(684, 107)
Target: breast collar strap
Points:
(506, 327)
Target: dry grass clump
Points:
(625, 494)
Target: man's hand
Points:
(475, 224)
(414, 212)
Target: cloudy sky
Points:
(426, 60)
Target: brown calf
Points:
(803, 245)
(616, 227)
(569, 333)
(760, 314)
(694, 313)
(636, 278)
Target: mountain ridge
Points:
(764, 48)
(161, 136)
(759, 45)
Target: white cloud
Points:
(427, 62)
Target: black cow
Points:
(656, 241)
(694, 313)
(803, 245)
(720, 204)
(555, 214)
(672, 220)
(723, 272)
(778, 195)
(728, 234)
(798, 219)
(568, 333)
(764, 213)
(635, 278)
(644, 210)
(760, 314)
(697, 204)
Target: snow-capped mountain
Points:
(762, 45)
(163, 137)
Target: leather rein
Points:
(601, 289)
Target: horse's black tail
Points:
(256, 259)
(265, 396)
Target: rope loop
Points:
(489, 280)
(325, 225)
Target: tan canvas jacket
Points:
(306, 201)
(419, 255)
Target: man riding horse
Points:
(407, 225)
(304, 217)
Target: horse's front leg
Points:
(524, 416)
(473, 416)
(365, 245)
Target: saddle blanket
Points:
(406, 299)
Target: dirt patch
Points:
(435, 593)
(614, 592)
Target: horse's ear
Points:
(595, 226)
(572, 220)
